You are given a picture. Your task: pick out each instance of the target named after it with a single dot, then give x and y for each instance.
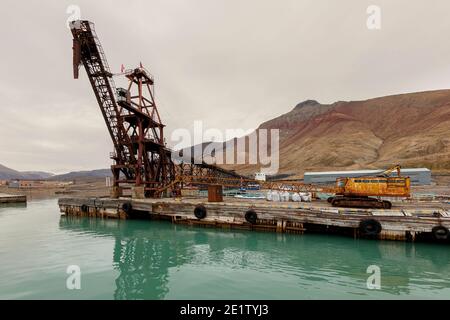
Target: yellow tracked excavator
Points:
(367, 191)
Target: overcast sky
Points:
(230, 63)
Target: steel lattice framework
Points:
(141, 157)
(226, 181)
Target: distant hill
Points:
(100, 173)
(37, 174)
(7, 174)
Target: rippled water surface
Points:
(158, 260)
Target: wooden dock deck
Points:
(406, 222)
(12, 198)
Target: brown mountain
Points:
(408, 129)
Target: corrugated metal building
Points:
(14, 184)
(419, 176)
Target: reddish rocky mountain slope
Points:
(408, 129)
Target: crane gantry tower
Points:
(141, 157)
(131, 115)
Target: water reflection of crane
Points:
(145, 252)
(141, 255)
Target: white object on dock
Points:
(329, 210)
(276, 196)
(296, 197)
(306, 196)
(285, 196)
(388, 213)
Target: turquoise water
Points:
(158, 260)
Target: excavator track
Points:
(360, 202)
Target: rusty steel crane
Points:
(141, 158)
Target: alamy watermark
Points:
(74, 13)
(374, 280)
(374, 19)
(73, 281)
(260, 147)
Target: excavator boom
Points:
(387, 172)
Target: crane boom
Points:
(87, 50)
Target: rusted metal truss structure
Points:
(243, 182)
(204, 179)
(141, 158)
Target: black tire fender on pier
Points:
(127, 207)
(84, 208)
(370, 227)
(251, 216)
(200, 212)
(440, 233)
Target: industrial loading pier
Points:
(12, 198)
(143, 165)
